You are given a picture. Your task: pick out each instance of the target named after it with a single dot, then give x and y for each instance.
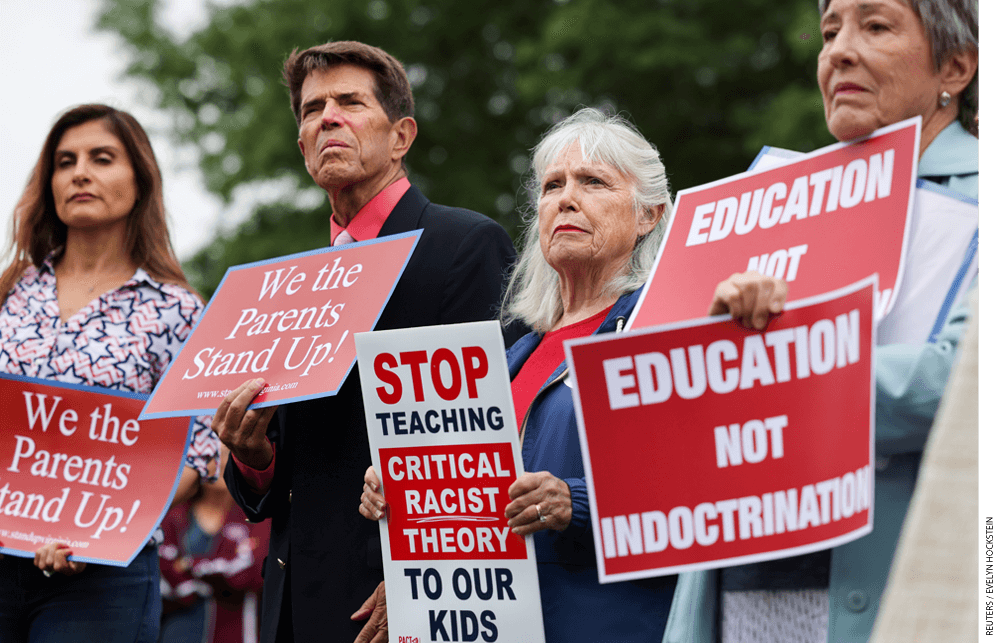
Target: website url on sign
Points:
(36, 539)
(267, 389)
(280, 387)
(222, 393)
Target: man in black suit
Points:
(355, 113)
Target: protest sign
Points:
(288, 320)
(443, 438)
(942, 257)
(79, 468)
(746, 445)
(829, 218)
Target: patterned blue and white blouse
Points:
(122, 340)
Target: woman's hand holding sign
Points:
(245, 431)
(372, 500)
(376, 630)
(54, 557)
(751, 298)
(539, 501)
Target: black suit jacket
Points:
(324, 559)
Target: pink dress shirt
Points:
(365, 226)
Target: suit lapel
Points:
(405, 217)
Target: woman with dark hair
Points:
(94, 296)
(882, 62)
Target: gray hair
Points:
(533, 294)
(952, 27)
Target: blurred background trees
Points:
(707, 81)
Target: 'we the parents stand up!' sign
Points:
(287, 320)
(80, 469)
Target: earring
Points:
(945, 99)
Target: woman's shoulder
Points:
(171, 303)
(167, 290)
(521, 350)
(31, 273)
(31, 286)
(184, 295)
(32, 276)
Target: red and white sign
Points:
(829, 218)
(444, 443)
(80, 468)
(708, 445)
(288, 320)
(942, 257)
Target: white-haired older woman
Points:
(600, 205)
(882, 61)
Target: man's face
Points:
(345, 136)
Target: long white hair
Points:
(533, 294)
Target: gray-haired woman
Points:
(601, 204)
(882, 61)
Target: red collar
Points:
(369, 220)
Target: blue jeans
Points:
(187, 625)
(101, 604)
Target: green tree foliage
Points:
(708, 81)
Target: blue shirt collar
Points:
(953, 152)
